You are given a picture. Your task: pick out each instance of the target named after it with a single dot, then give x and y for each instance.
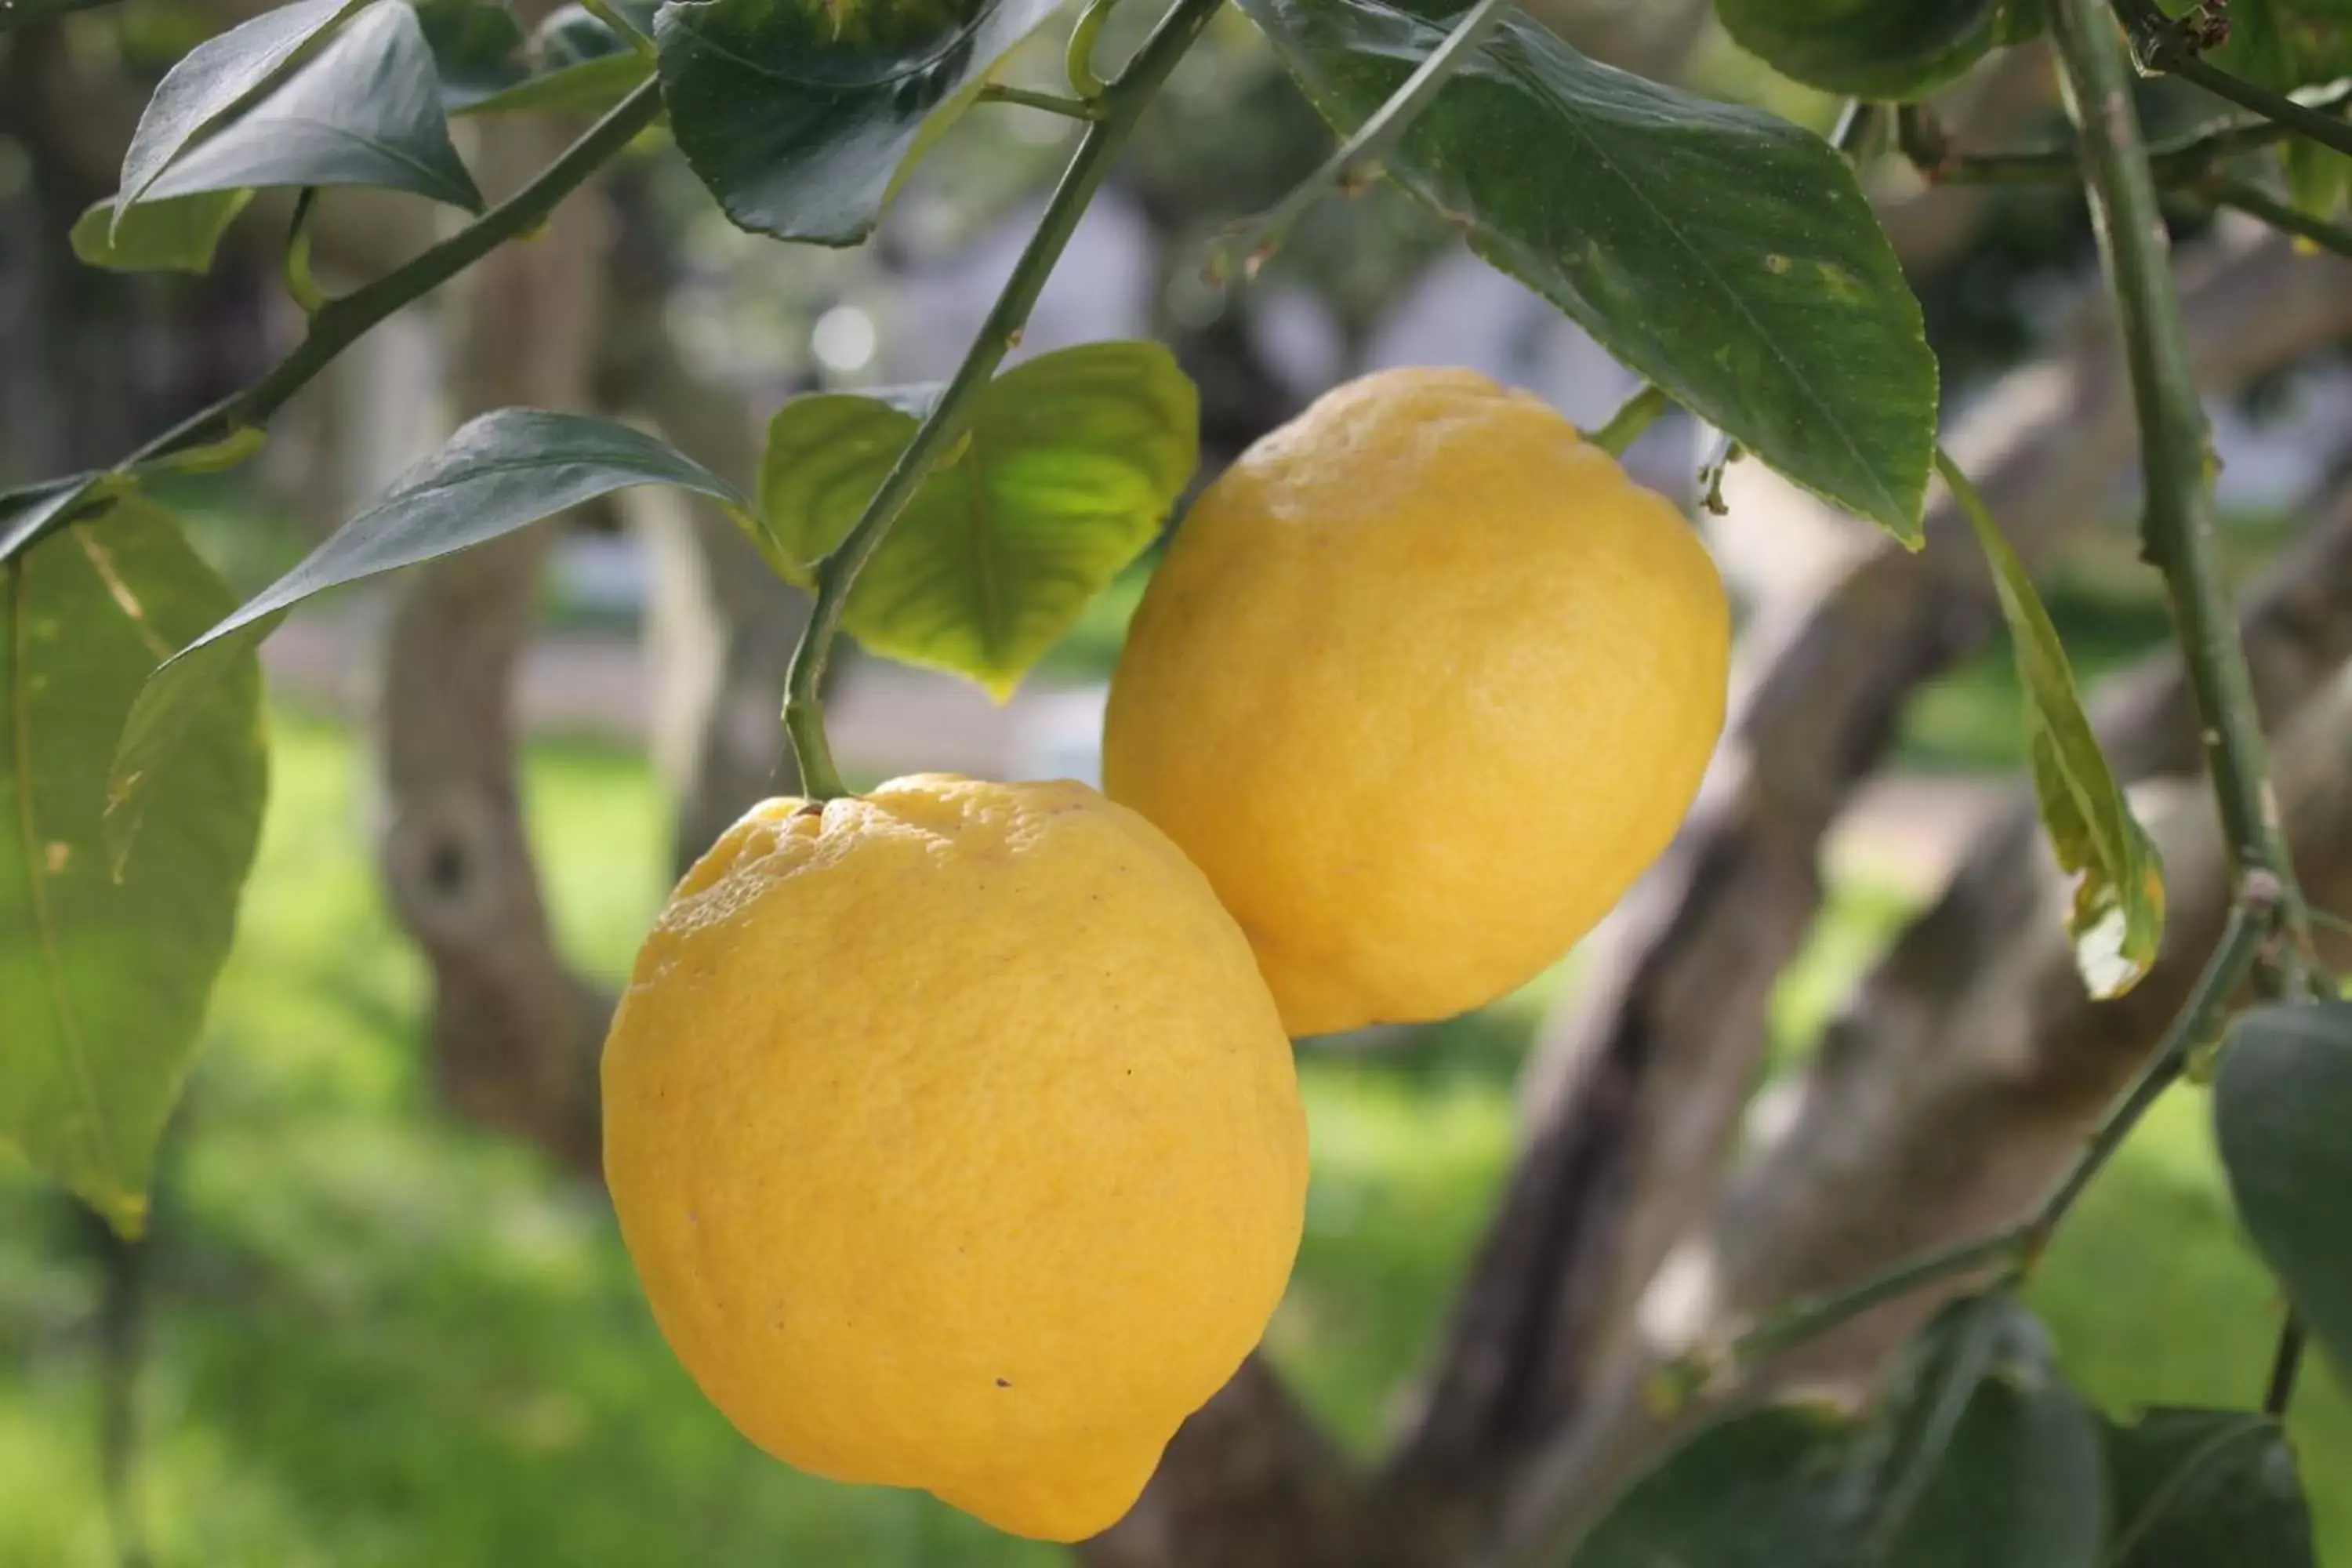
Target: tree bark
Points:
(1971, 1064)
(515, 1032)
(720, 626)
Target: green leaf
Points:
(2117, 919)
(497, 474)
(1978, 1457)
(581, 65)
(2193, 1489)
(216, 79)
(178, 235)
(1070, 468)
(1877, 48)
(104, 978)
(2282, 1105)
(476, 49)
(366, 109)
(1722, 253)
(26, 513)
(800, 114)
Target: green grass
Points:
(377, 1336)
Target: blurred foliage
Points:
(377, 1336)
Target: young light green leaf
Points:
(104, 976)
(800, 114)
(2117, 919)
(216, 79)
(178, 235)
(1876, 48)
(1070, 466)
(2282, 1102)
(2191, 1489)
(365, 110)
(1978, 1457)
(1722, 253)
(497, 474)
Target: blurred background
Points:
(384, 1317)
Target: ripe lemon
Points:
(956, 1141)
(1423, 683)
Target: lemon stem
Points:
(1121, 103)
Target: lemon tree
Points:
(952, 1126)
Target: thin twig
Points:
(1051, 103)
(2279, 1392)
(2246, 197)
(2178, 160)
(1122, 102)
(338, 323)
(343, 321)
(2016, 1247)
(1243, 245)
(2163, 45)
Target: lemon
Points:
(956, 1141)
(1422, 685)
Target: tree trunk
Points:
(515, 1033)
(720, 626)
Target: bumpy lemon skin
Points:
(956, 1141)
(1423, 683)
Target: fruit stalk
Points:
(1120, 105)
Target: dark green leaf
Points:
(2285, 44)
(1724, 254)
(2020, 21)
(477, 49)
(25, 513)
(2117, 919)
(366, 109)
(2198, 1489)
(1978, 1457)
(1761, 1490)
(1981, 1455)
(17, 13)
(1877, 48)
(578, 64)
(2281, 1108)
(216, 79)
(177, 236)
(800, 115)
(497, 474)
(104, 977)
(1070, 466)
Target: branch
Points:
(2178, 160)
(2016, 1247)
(342, 322)
(2246, 197)
(2162, 46)
(2176, 456)
(1254, 239)
(1120, 104)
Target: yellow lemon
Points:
(1423, 683)
(956, 1141)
